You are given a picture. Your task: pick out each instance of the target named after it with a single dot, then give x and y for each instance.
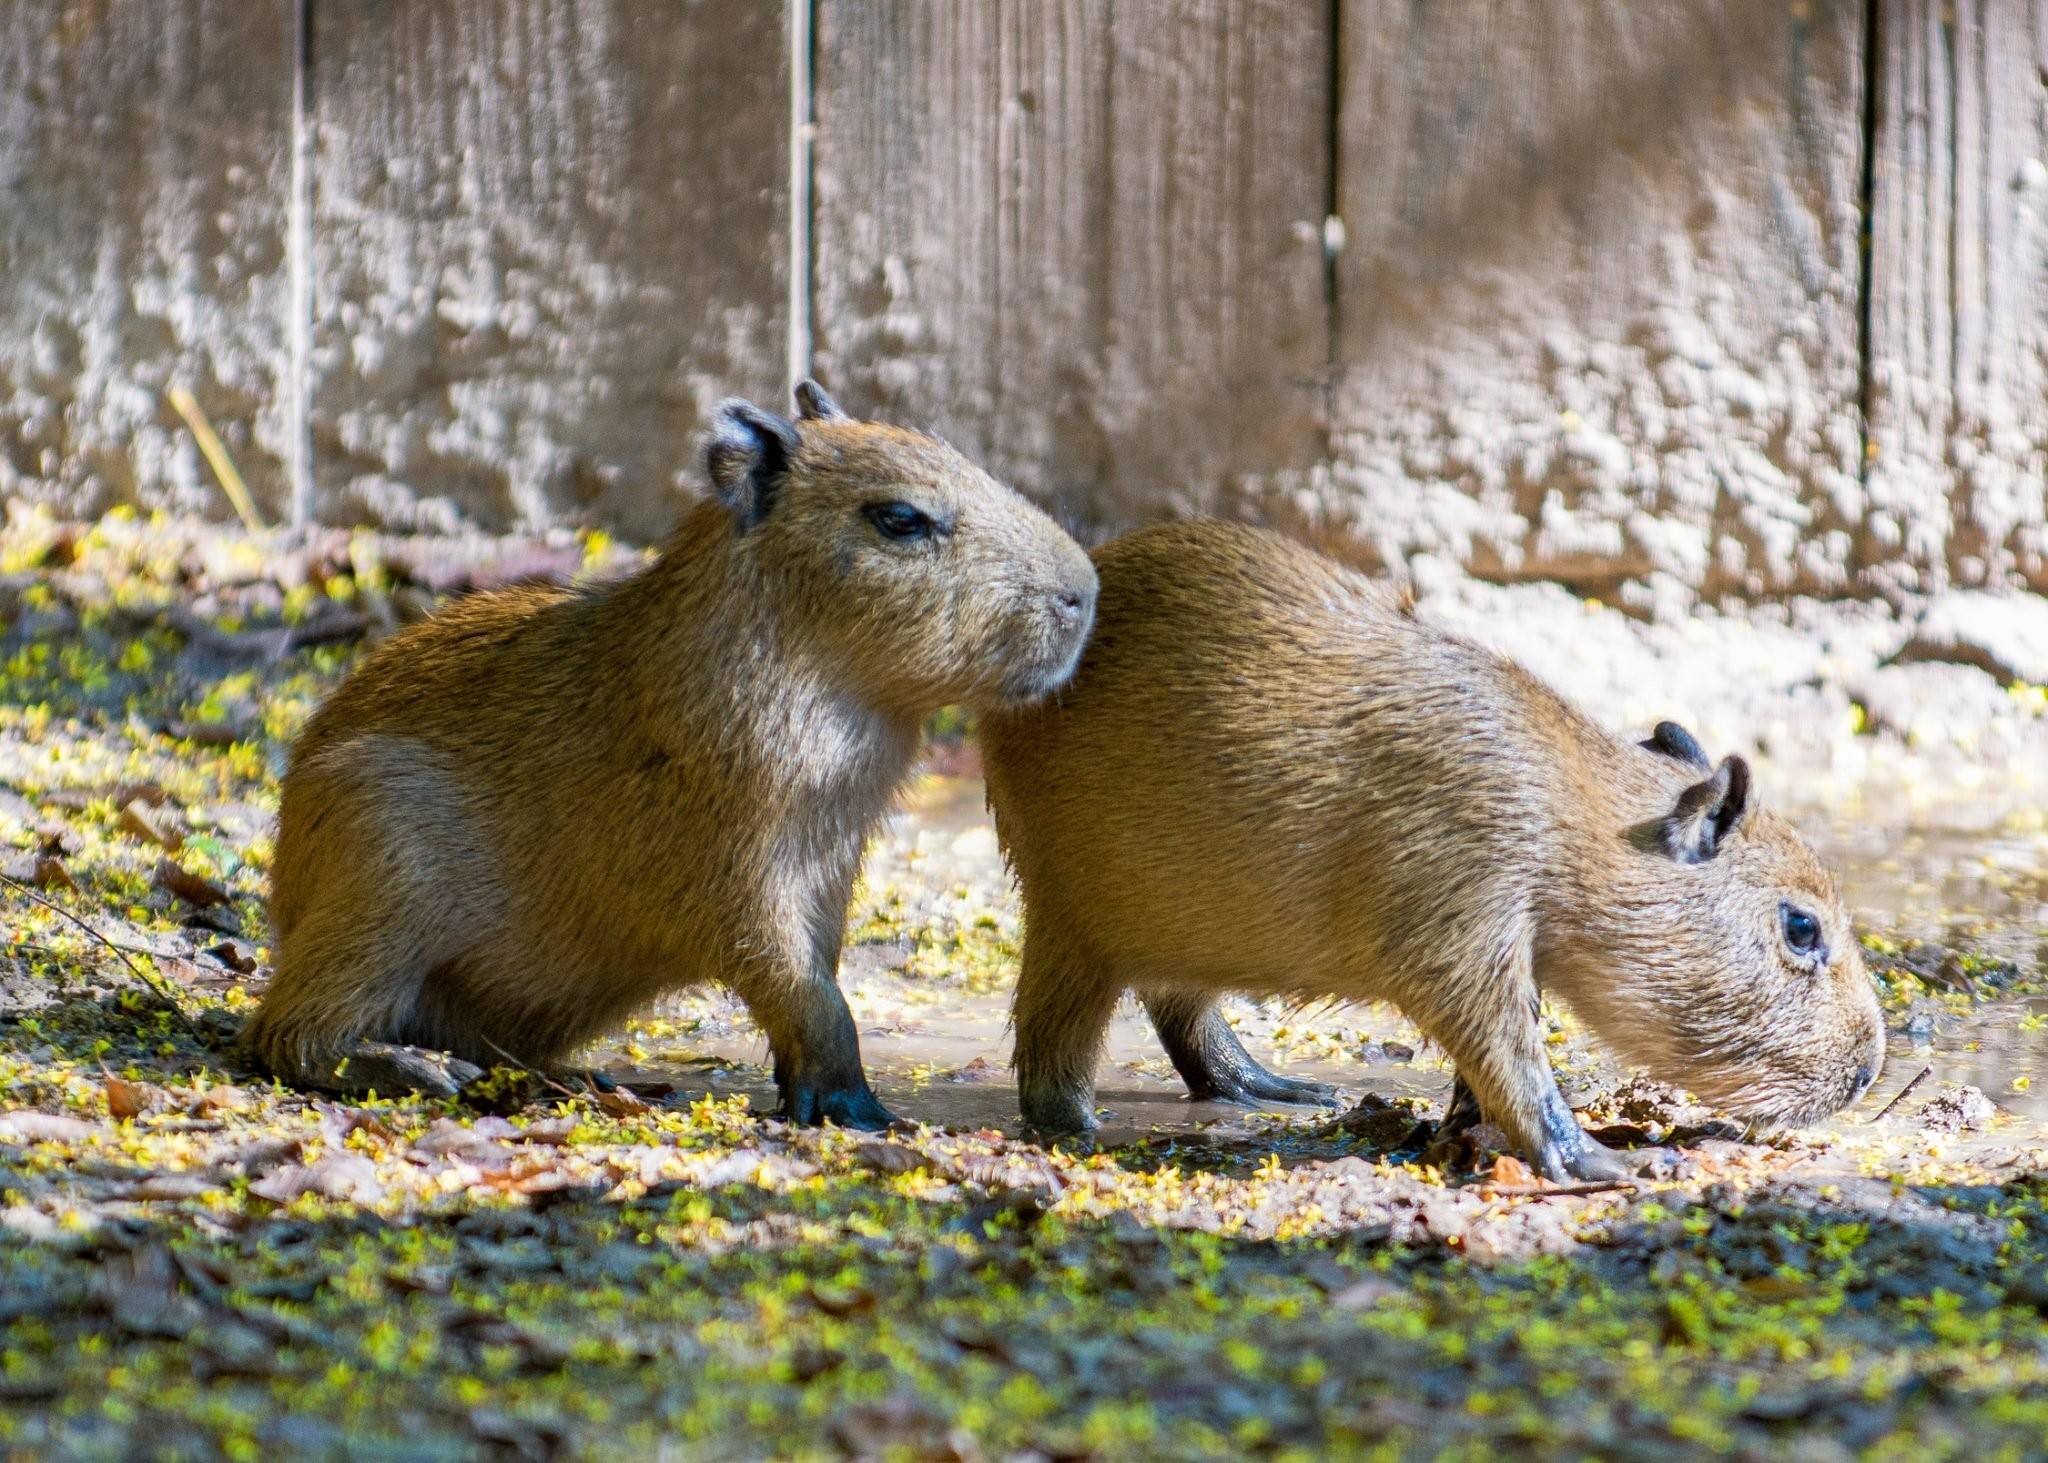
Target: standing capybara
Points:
(1268, 776)
(538, 810)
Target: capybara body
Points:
(534, 812)
(1269, 776)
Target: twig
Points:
(518, 1066)
(1900, 1096)
(217, 458)
(1595, 1186)
(164, 992)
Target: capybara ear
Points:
(1708, 813)
(813, 405)
(1670, 739)
(747, 455)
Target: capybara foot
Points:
(1259, 1085)
(1059, 1115)
(383, 1066)
(849, 1104)
(1594, 1162)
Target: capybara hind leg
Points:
(342, 999)
(1061, 1014)
(1213, 1062)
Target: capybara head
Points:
(926, 581)
(1718, 955)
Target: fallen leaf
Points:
(126, 1099)
(1510, 1170)
(138, 820)
(190, 887)
(344, 1176)
(43, 870)
(44, 1127)
(221, 1098)
(889, 1158)
(236, 955)
(621, 1103)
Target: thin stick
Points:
(163, 992)
(217, 458)
(518, 1066)
(1925, 1073)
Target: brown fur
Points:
(1268, 776)
(528, 816)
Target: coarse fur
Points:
(528, 816)
(1269, 776)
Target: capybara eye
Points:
(1802, 930)
(900, 522)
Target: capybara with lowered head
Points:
(539, 809)
(1269, 776)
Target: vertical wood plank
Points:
(1959, 290)
(551, 234)
(1082, 241)
(144, 148)
(1599, 304)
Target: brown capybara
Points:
(1269, 776)
(536, 811)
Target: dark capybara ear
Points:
(813, 405)
(1708, 813)
(1672, 740)
(747, 455)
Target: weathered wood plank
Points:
(144, 152)
(550, 234)
(1959, 289)
(1598, 308)
(1082, 241)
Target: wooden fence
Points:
(1745, 292)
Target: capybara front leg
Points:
(811, 1037)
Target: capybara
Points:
(1270, 776)
(539, 809)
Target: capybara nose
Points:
(1073, 606)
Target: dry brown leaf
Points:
(889, 1158)
(621, 1103)
(1512, 1172)
(126, 1099)
(42, 869)
(190, 887)
(138, 820)
(219, 1099)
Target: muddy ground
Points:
(195, 1262)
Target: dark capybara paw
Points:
(848, 1106)
(1593, 1162)
(1059, 1116)
(1272, 1087)
(1248, 1088)
(383, 1066)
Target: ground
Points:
(199, 1262)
